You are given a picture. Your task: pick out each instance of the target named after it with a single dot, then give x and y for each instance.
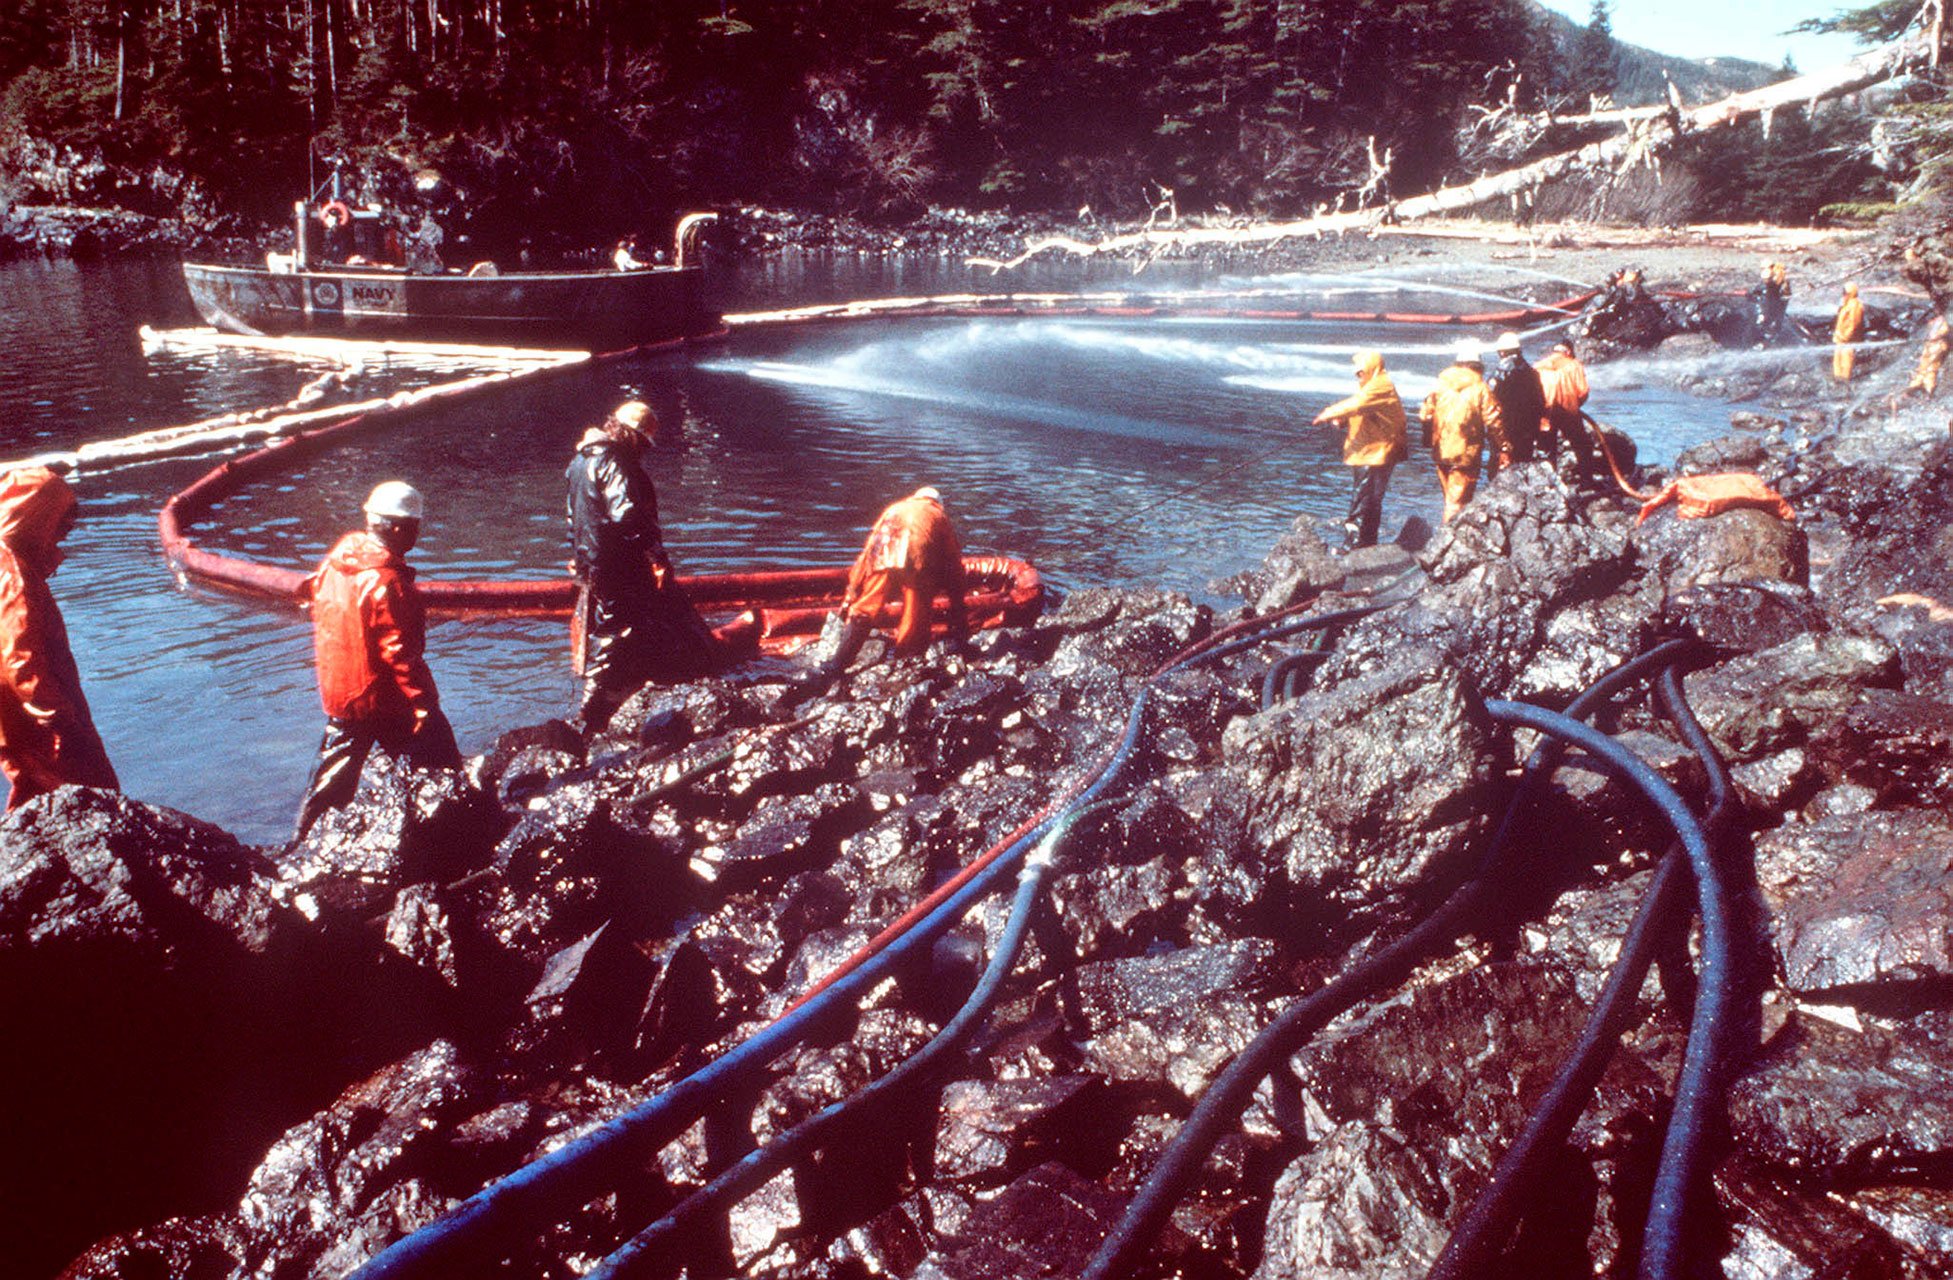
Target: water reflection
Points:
(1046, 434)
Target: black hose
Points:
(638, 1257)
(1480, 1236)
(1279, 684)
(1315, 622)
(1231, 1090)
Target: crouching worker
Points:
(911, 552)
(633, 622)
(47, 739)
(369, 636)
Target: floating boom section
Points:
(792, 604)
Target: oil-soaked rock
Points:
(1745, 617)
(523, 761)
(321, 1177)
(1759, 703)
(1898, 744)
(1299, 565)
(1174, 1019)
(1837, 1109)
(1744, 545)
(1420, 1096)
(1861, 901)
(786, 835)
(987, 1132)
(207, 1248)
(572, 864)
(1049, 1222)
(1375, 793)
(403, 826)
(1131, 632)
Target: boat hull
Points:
(584, 310)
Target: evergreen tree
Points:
(1593, 55)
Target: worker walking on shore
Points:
(1374, 443)
(1563, 382)
(1925, 378)
(1770, 297)
(1457, 418)
(1846, 329)
(633, 623)
(1516, 386)
(369, 636)
(47, 738)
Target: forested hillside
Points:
(589, 116)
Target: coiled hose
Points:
(639, 1256)
(1221, 1106)
(1479, 1237)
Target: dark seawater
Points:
(1104, 450)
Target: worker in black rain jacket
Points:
(633, 622)
(1522, 405)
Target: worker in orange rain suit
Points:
(1457, 418)
(912, 550)
(46, 737)
(369, 633)
(1373, 444)
(1563, 380)
(1939, 341)
(1849, 327)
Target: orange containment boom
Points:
(792, 604)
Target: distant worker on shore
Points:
(1770, 298)
(633, 623)
(47, 738)
(1457, 418)
(1522, 405)
(1374, 442)
(1563, 381)
(369, 637)
(1925, 378)
(1846, 329)
(625, 258)
(912, 552)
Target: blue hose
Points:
(1480, 1236)
(1229, 1094)
(638, 1257)
(576, 1173)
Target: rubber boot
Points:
(598, 706)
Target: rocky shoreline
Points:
(490, 961)
(231, 1061)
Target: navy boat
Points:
(353, 275)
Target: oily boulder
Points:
(1861, 901)
(1123, 888)
(1898, 744)
(1836, 1109)
(1416, 1099)
(1375, 793)
(988, 1132)
(206, 1248)
(785, 835)
(1049, 1222)
(1299, 565)
(148, 974)
(1175, 1019)
(1130, 632)
(1757, 704)
(318, 1180)
(1744, 545)
(403, 826)
(1901, 531)
(1744, 617)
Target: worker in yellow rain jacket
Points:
(1848, 328)
(1457, 418)
(1373, 444)
(1939, 341)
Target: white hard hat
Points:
(1508, 341)
(395, 500)
(1467, 352)
(930, 492)
(632, 413)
